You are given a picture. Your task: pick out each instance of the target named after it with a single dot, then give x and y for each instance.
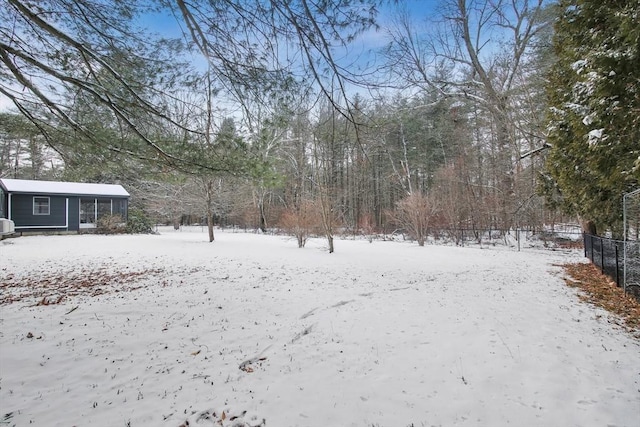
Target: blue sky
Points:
(360, 52)
(166, 25)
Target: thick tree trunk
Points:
(589, 227)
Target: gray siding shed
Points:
(59, 206)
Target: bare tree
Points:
(327, 161)
(458, 208)
(165, 200)
(477, 52)
(223, 149)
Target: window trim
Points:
(48, 205)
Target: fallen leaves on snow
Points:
(226, 418)
(50, 288)
(601, 291)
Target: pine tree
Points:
(594, 116)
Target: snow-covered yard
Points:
(251, 330)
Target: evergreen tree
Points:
(255, 51)
(594, 119)
(23, 153)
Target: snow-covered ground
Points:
(251, 328)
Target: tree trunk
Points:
(263, 219)
(208, 187)
(210, 225)
(589, 227)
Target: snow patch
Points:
(558, 111)
(595, 136)
(579, 65)
(577, 108)
(588, 119)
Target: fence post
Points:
(584, 241)
(601, 255)
(617, 266)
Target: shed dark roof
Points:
(56, 187)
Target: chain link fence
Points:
(632, 268)
(620, 259)
(609, 256)
(606, 254)
(567, 237)
(631, 253)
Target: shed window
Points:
(120, 208)
(41, 206)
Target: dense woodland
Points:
(331, 116)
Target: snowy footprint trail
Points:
(252, 331)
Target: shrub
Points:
(139, 222)
(414, 213)
(301, 222)
(110, 224)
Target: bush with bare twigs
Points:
(414, 214)
(367, 227)
(301, 222)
